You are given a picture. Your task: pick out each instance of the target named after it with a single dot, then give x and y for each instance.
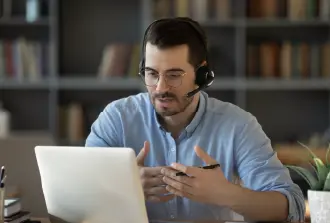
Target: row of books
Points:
(288, 60)
(122, 59)
(32, 9)
(72, 122)
(224, 9)
(290, 9)
(196, 9)
(266, 59)
(23, 59)
(119, 59)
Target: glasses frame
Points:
(160, 74)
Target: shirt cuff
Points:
(296, 202)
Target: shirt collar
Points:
(155, 117)
(195, 121)
(157, 121)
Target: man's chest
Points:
(165, 150)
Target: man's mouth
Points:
(165, 99)
(164, 102)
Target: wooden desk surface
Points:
(297, 155)
(42, 220)
(176, 221)
(46, 220)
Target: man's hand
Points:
(202, 185)
(152, 179)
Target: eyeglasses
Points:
(150, 77)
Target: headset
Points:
(204, 74)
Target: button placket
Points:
(173, 206)
(172, 157)
(172, 148)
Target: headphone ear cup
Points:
(202, 76)
(210, 78)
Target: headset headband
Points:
(181, 19)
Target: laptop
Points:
(91, 184)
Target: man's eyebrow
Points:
(175, 69)
(150, 68)
(171, 69)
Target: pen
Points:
(2, 183)
(213, 166)
(2, 193)
(2, 173)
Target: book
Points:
(12, 207)
(19, 217)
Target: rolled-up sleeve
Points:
(260, 169)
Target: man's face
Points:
(173, 68)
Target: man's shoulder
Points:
(117, 117)
(131, 103)
(227, 111)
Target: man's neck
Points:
(176, 123)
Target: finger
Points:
(178, 185)
(172, 174)
(151, 171)
(179, 193)
(204, 156)
(159, 190)
(143, 153)
(152, 182)
(168, 172)
(165, 198)
(190, 171)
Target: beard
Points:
(178, 104)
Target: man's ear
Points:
(204, 63)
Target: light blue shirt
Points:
(229, 134)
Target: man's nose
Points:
(162, 85)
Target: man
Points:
(179, 127)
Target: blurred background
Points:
(63, 61)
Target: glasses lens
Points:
(150, 78)
(174, 78)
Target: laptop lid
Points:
(91, 184)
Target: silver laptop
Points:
(91, 185)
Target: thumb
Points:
(143, 153)
(204, 156)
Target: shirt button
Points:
(173, 149)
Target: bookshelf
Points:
(288, 105)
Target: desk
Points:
(45, 220)
(42, 220)
(214, 222)
(297, 155)
(169, 221)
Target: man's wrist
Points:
(249, 203)
(231, 197)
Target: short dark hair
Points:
(176, 31)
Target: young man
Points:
(179, 128)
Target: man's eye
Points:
(174, 75)
(151, 73)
